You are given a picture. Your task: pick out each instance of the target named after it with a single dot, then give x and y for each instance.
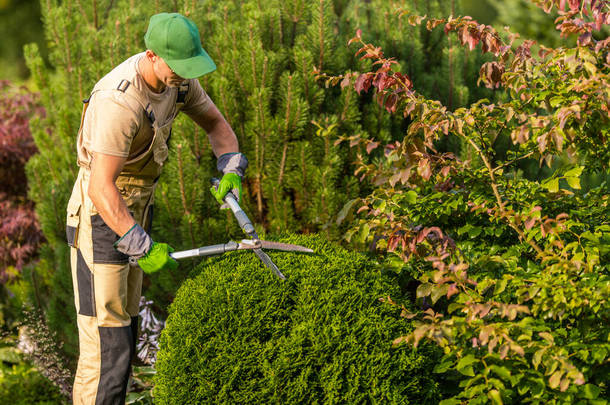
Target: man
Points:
(122, 146)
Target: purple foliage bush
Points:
(20, 233)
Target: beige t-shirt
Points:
(116, 124)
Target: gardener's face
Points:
(165, 74)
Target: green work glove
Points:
(233, 166)
(158, 258)
(230, 182)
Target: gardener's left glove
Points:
(150, 256)
(233, 166)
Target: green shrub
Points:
(22, 384)
(512, 259)
(237, 334)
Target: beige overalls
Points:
(107, 288)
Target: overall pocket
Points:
(73, 222)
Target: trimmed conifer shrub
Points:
(237, 334)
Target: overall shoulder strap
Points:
(182, 92)
(126, 87)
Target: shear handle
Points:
(206, 251)
(240, 215)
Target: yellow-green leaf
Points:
(495, 397)
(555, 379)
(500, 286)
(547, 336)
(591, 391)
(466, 361)
(424, 290)
(574, 182)
(551, 185)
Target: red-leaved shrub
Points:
(20, 234)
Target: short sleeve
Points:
(112, 122)
(197, 100)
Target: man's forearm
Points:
(222, 138)
(221, 135)
(112, 208)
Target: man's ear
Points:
(150, 55)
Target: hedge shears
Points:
(254, 243)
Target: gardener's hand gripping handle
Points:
(240, 215)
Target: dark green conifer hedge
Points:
(237, 334)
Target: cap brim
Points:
(194, 67)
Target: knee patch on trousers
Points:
(116, 349)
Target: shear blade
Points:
(267, 261)
(287, 247)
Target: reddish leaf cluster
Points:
(389, 84)
(471, 33)
(572, 21)
(411, 243)
(20, 234)
(17, 144)
(491, 74)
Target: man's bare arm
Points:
(105, 195)
(222, 138)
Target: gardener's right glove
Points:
(233, 166)
(150, 256)
(230, 183)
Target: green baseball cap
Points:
(175, 38)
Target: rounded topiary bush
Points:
(238, 334)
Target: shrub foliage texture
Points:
(237, 334)
(512, 266)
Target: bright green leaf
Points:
(466, 361)
(495, 397)
(574, 172)
(555, 101)
(500, 286)
(411, 197)
(467, 371)
(474, 231)
(537, 358)
(465, 229)
(547, 336)
(552, 185)
(500, 371)
(523, 389)
(424, 290)
(599, 354)
(438, 292)
(590, 391)
(363, 233)
(574, 182)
